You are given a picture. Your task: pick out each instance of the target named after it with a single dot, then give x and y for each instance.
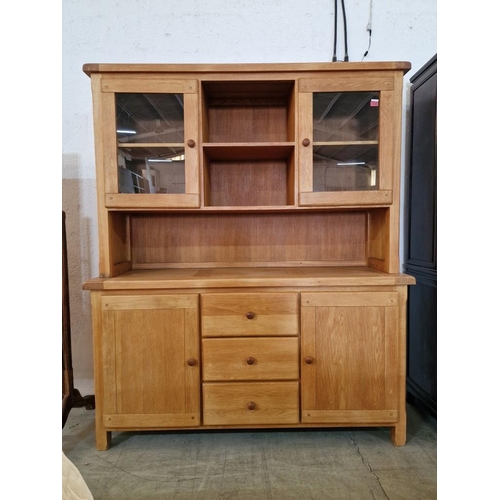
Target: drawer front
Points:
(249, 403)
(249, 314)
(250, 359)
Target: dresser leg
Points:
(398, 434)
(102, 438)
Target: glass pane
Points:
(150, 136)
(150, 118)
(151, 170)
(345, 141)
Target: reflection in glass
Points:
(345, 141)
(150, 136)
(151, 170)
(150, 118)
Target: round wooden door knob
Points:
(306, 142)
(251, 405)
(191, 143)
(191, 362)
(309, 360)
(250, 315)
(250, 360)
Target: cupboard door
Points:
(151, 369)
(349, 350)
(150, 140)
(349, 129)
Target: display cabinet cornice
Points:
(258, 203)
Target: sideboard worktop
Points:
(248, 277)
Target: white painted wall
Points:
(195, 31)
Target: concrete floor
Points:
(354, 464)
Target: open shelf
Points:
(247, 239)
(248, 143)
(248, 111)
(227, 238)
(248, 182)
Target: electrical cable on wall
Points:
(334, 58)
(369, 29)
(346, 55)
(335, 22)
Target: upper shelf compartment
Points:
(248, 112)
(263, 137)
(248, 143)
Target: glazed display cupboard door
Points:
(349, 133)
(150, 359)
(147, 141)
(350, 365)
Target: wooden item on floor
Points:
(256, 282)
(71, 397)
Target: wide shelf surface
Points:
(248, 277)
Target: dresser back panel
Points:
(225, 239)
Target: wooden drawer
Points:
(249, 314)
(249, 403)
(250, 359)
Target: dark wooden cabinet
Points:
(421, 240)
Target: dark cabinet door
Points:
(423, 167)
(421, 240)
(422, 341)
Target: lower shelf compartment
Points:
(231, 183)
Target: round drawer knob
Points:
(250, 360)
(309, 360)
(191, 143)
(191, 361)
(306, 142)
(250, 315)
(251, 405)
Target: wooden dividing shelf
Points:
(344, 143)
(151, 145)
(249, 151)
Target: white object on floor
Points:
(74, 486)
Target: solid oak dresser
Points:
(248, 221)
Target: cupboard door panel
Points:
(348, 132)
(146, 348)
(150, 142)
(349, 356)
